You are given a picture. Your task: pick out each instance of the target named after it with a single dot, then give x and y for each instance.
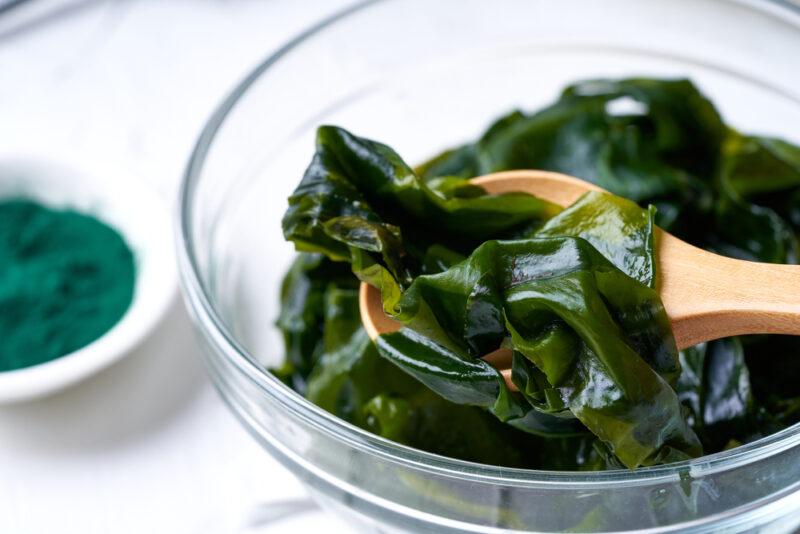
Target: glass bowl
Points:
(422, 76)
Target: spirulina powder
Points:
(65, 279)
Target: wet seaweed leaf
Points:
(522, 289)
(351, 380)
(542, 295)
(302, 313)
(652, 141)
(359, 202)
(748, 226)
(570, 292)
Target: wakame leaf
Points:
(573, 294)
(468, 381)
(774, 366)
(301, 317)
(759, 165)
(351, 380)
(522, 288)
(651, 141)
(751, 232)
(569, 292)
(342, 380)
(357, 194)
(761, 169)
(716, 389)
(616, 227)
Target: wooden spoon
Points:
(706, 296)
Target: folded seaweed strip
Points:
(570, 291)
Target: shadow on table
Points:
(264, 516)
(136, 396)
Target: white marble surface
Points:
(145, 446)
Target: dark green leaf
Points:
(525, 287)
(570, 292)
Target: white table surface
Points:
(145, 446)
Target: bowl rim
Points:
(200, 304)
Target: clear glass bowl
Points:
(422, 76)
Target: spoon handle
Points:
(708, 296)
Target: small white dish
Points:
(142, 218)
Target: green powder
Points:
(65, 280)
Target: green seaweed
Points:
(570, 291)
